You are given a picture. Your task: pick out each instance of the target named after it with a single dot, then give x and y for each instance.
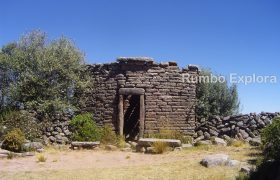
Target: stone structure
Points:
(138, 96)
(244, 127)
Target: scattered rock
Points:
(128, 149)
(133, 144)
(150, 150)
(232, 163)
(32, 146)
(255, 141)
(178, 149)
(186, 146)
(3, 151)
(214, 160)
(111, 147)
(3, 156)
(127, 145)
(219, 141)
(40, 150)
(206, 142)
(245, 169)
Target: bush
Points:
(14, 140)
(41, 158)
(22, 120)
(271, 140)
(109, 136)
(84, 128)
(160, 147)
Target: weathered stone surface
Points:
(147, 142)
(186, 146)
(3, 151)
(111, 147)
(232, 163)
(219, 141)
(87, 145)
(245, 127)
(167, 94)
(255, 141)
(215, 160)
(33, 145)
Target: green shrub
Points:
(22, 120)
(109, 136)
(242, 176)
(160, 147)
(271, 140)
(84, 128)
(14, 140)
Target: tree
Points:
(216, 98)
(44, 73)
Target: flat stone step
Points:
(146, 142)
(84, 144)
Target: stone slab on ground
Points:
(147, 142)
(86, 145)
(215, 160)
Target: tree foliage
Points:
(39, 73)
(216, 98)
(271, 140)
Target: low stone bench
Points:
(84, 145)
(147, 142)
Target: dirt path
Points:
(72, 160)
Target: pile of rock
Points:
(244, 127)
(58, 130)
(224, 160)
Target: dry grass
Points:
(41, 158)
(174, 165)
(160, 147)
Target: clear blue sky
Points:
(241, 36)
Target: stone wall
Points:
(169, 101)
(57, 130)
(243, 127)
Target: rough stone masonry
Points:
(138, 96)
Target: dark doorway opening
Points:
(131, 117)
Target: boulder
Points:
(111, 147)
(219, 141)
(232, 163)
(199, 138)
(255, 141)
(150, 150)
(244, 134)
(133, 144)
(178, 149)
(3, 151)
(215, 160)
(206, 142)
(186, 146)
(32, 146)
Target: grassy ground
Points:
(65, 164)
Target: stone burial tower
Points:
(138, 96)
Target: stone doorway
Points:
(131, 113)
